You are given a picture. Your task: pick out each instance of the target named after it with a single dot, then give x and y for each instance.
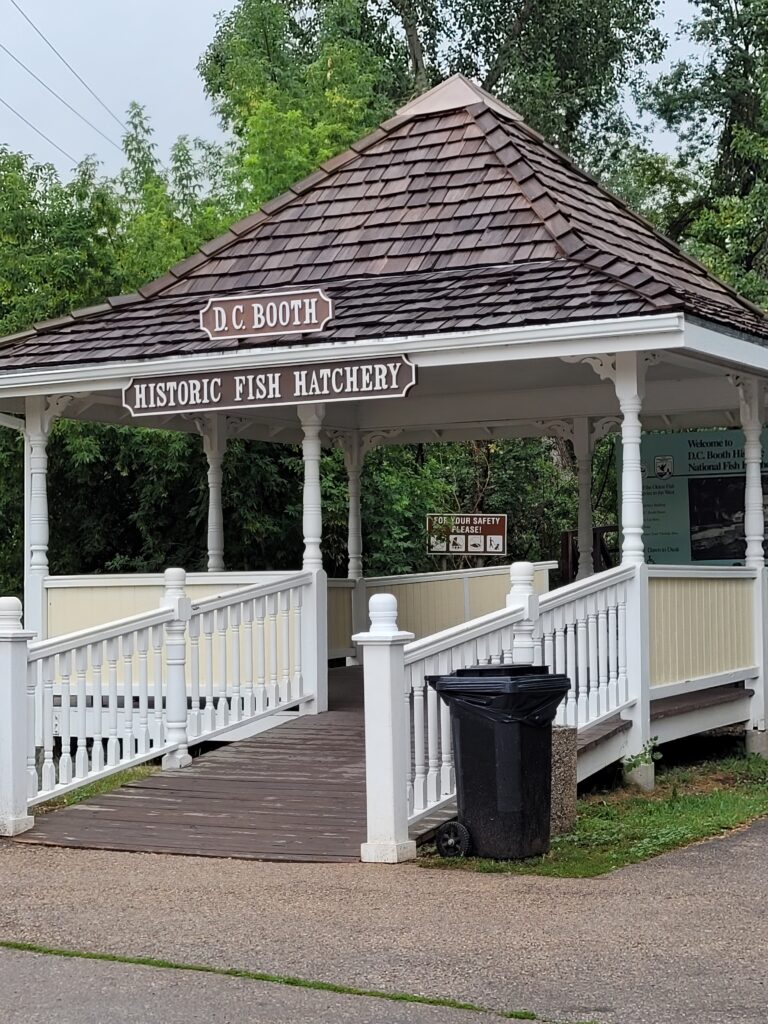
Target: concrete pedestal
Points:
(563, 815)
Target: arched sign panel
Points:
(354, 379)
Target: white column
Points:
(751, 397)
(354, 456)
(176, 713)
(630, 373)
(36, 515)
(354, 447)
(387, 737)
(750, 404)
(14, 724)
(214, 433)
(582, 447)
(311, 417)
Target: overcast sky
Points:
(144, 50)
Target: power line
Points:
(34, 129)
(64, 61)
(61, 99)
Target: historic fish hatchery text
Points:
(275, 385)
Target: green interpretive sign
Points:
(693, 496)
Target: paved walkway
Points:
(681, 939)
(87, 992)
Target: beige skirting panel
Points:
(699, 627)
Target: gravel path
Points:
(681, 939)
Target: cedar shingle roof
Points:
(440, 220)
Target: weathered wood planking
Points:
(296, 793)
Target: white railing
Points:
(579, 630)
(409, 755)
(100, 700)
(247, 652)
(81, 688)
(484, 641)
(582, 633)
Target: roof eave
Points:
(578, 338)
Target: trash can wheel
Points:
(452, 839)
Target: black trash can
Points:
(501, 722)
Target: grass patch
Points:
(97, 788)
(277, 979)
(624, 827)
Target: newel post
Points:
(174, 597)
(387, 739)
(521, 595)
(14, 724)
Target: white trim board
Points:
(582, 338)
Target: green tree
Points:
(716, 100)
(57, 240)
(297, 83)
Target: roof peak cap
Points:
(456, 91)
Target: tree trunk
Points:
(415, 50)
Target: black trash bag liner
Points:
(530, 699)
(499, 670)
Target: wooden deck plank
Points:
(296, 792)
(665, 707)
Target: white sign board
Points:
(466, 534)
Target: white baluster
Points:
(81, 754)
(249, 701)
(222, 708)
(194, 719)
(33, 675)
(65, 762)
(261, 657)
(613, 646)
(419, 764)
(272, 693)
(209, 712)
(602, 653)
(158, 635)
(129, 742)
(548, 645)
(507, 641)
(142, 734)
(447, 776)
(593, 703)
(298, 678)
(235, 711)
(97, 750)
(49, 770)
(582, 662)
(285, 637)
(408, 762)
(433, 755)
(623, 683)
(113, 743)
(571, 666)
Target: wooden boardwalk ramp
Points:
(294, 793)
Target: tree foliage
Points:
(295, 82)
